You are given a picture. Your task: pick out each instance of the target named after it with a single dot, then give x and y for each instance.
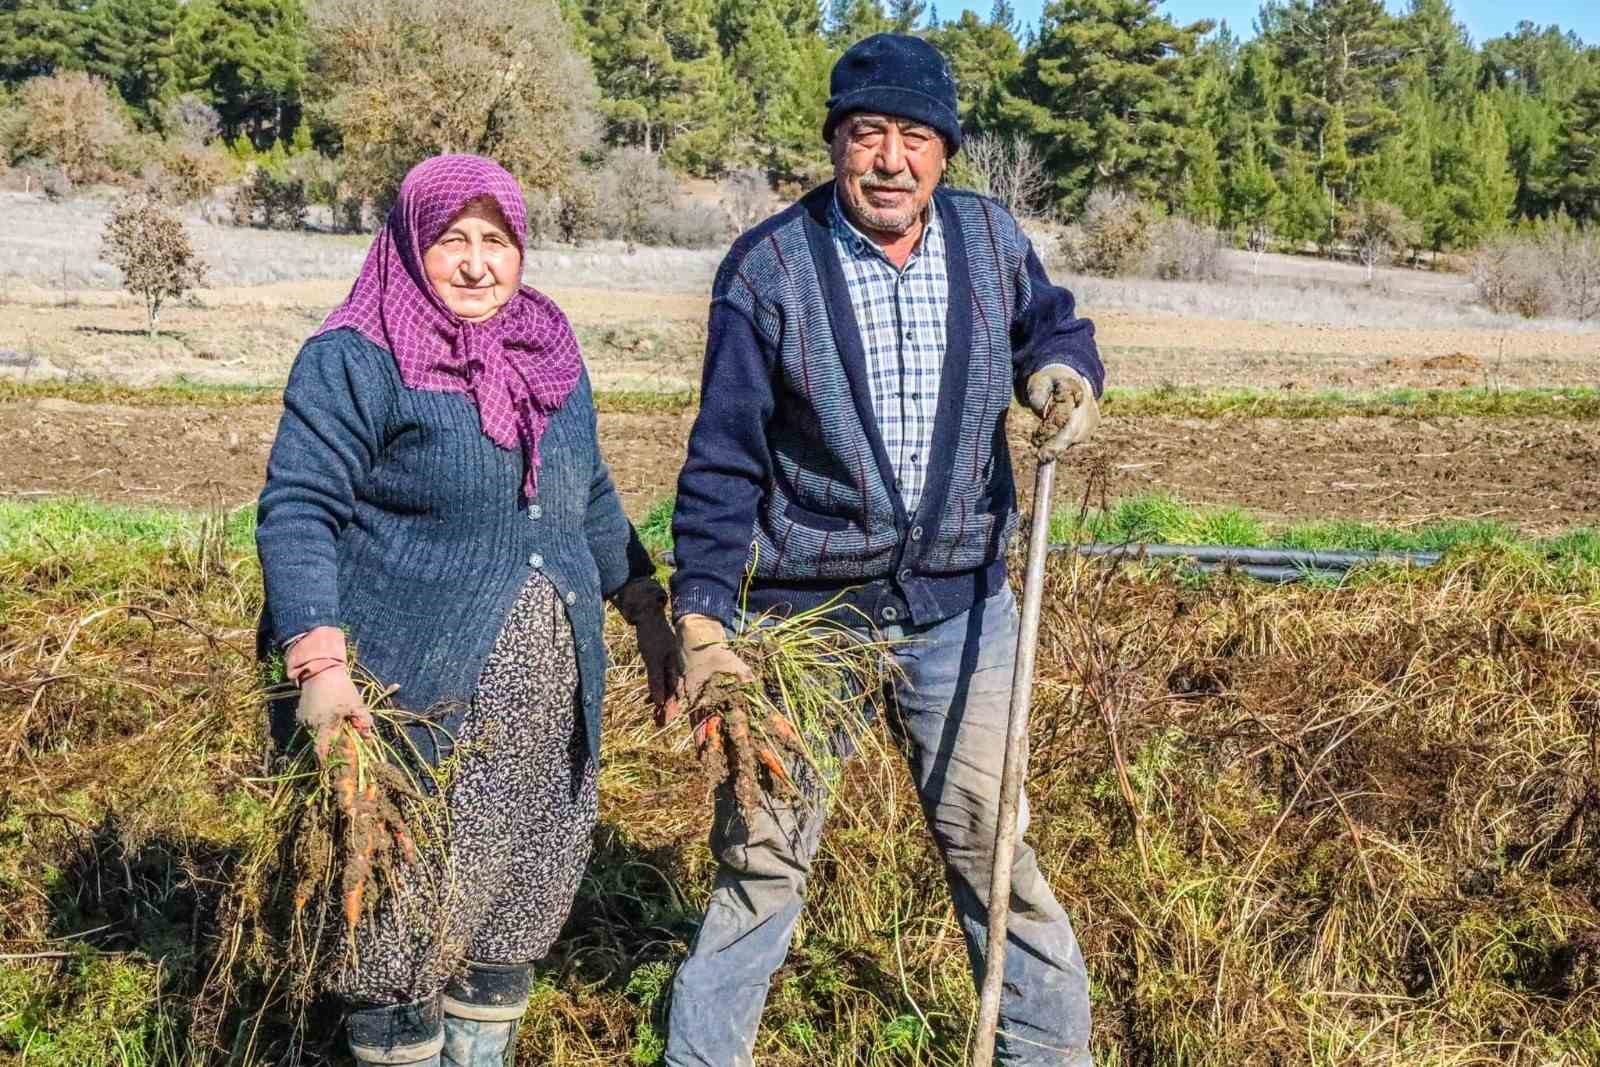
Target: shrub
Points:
(391, 76)
(194, 172)
(152, 249)
(277, 202)
(1184, 251)
(577, 212)
(190, 121)
(747, 197)
(690, 225)
(72, 120)
(1552, 270)
(634, 188)
(1378, 230)
(1114, 236)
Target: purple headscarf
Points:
(518, 366)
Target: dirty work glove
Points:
(707, 659)
(643, 603)
(316, 662)
(1064, 401)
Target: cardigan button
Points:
(572, 598)
(535, 511)
(905, 575)
(916, 533)
(536, 561)
(890, 614)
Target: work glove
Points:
(643, 603)
(709, 665)
(316, 662)
(1064, 401)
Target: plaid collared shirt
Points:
(900, 315)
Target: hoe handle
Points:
(1016, 765)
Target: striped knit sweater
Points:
(389, 513)
(787, 478)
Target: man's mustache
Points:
(904, 184)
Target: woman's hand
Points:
(644, 604)
(327, 699)
(316, 662)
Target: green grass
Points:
(1162, 519)
(74, 527)
(206, 394)
(1578, 403)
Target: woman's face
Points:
(475, 265)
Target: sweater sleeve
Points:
(1044, 329)
(614, 543)
(727, 469)
(330, 435)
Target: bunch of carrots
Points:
(815, 678)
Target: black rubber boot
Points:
(410, 1034)
(482, 1009)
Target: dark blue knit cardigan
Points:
(787, 475)
(389, 513)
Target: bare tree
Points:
(152, 249)
(1378, 230)
(749, 197)
(1010, 169)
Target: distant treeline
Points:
(1333, 103)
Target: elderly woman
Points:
(436, 498)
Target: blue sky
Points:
(1483, 18)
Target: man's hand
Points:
(707, 659)
(327, 699)
(643, 603)
(1065, 403)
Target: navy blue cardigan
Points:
(389, 513)
(787, 477)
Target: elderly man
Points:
(864, 348)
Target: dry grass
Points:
(1293, 826)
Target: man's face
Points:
(886, 169)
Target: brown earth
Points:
(1541, 475)
(654, 340)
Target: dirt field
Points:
(655, 340)
(1543, 475)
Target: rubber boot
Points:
(395, 1034)
(482, 1009)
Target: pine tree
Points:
(661, 77)
(905, 14)
(1303, 207)
(1577, 162)
(851, 20)
(984, 56)
(1252, 196)
(1003, 15)
(1106, 92)
(1201, 197)
(130, 44)
(40, 37)
(248, 59)
(1335, 166)
(1439, 52)
(1338, 56)
(1478, 186)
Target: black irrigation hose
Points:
(1219, 555)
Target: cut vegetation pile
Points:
(1293, 826)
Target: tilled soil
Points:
(1538, 474)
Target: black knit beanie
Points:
(895, 74)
